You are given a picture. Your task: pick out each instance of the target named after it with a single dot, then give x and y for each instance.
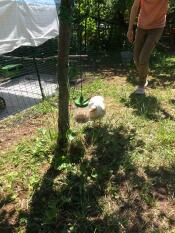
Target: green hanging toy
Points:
(81, 102)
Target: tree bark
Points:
(65, 19)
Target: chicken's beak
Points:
(92, 109)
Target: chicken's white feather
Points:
(96, 108)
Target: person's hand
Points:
(130, 35)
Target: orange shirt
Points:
(152, 14)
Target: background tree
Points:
(104, 24)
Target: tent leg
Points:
(39, 78)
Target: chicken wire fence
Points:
(27, 76)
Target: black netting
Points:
(27, 76)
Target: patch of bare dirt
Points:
(12, 134)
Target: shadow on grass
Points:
(159, 78)
(147, 107)
(99, 190)
(147, 201)
(95, 195)
(7, 215)
(163, 181)
(70, 201)
(161, 69)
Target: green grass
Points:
(119, 175)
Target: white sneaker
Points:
(140, 91)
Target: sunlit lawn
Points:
(119, 175)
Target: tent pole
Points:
(39, 78)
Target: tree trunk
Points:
(65, 18)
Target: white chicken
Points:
(95, 110)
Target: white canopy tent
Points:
(27, 23)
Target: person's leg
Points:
(152, 39)
(138, 45)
